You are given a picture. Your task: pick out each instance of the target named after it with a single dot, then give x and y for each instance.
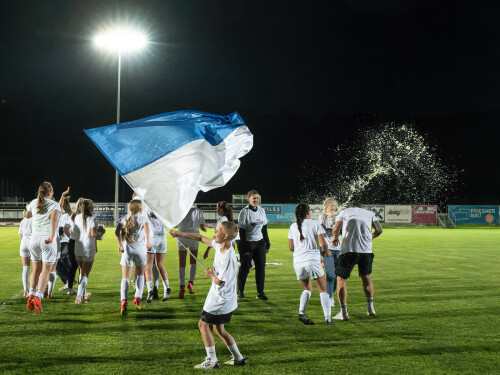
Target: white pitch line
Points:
(2, 306)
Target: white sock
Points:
(139, 286)
(235, 352)
(211, 353)
(124, 288)
(149, 284)
(182, 276)
(369, 306)
(39, 295)
(343, 309)
(31, 292)
(52, 282)
(325, 303)
(304, 300)
(165, 285)
(192, 272)
(81, 287)
(26, 278)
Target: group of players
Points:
(141, 240)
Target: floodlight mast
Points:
(120, 40)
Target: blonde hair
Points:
(330, 204)
(43, 190)
(79, 203)
(127, 232)
(86, 211)
(230, 229)
(66, 206)
(24, 212)
(252, 192)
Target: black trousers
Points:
(249, 250)
(74, 263)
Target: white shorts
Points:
(158, 245)
(191, 244)
(24, 250)
(82, 254)
(312, 270)
(40, 251)
(134, 253)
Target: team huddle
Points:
(54, 239)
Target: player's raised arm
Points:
(192, 236)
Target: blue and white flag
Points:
(168, 158)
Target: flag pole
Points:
(189, 251)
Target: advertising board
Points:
(105, 211)
(378, 210)
(397, 214)
(424, 214)
(474, 214)
(279, 213)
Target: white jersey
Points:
(222, 299)
(356, 230)
(64, 222)
(190, 224)
(306, 251)
(156, 228)
(252, 221)
(74, 232)
(328, 225)
(41, 220)
(138, 232)
(85, 241)
(25, 228)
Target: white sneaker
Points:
(339, 316)
(207, 364)
(370, 312)
(87, 295)
(65, 287)
(71, 291)
(332, 302)
(237, 362)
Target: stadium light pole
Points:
(120, 40)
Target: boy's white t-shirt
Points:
(25, 227)
(156, 227)
(252, 222)
(222, 299)
(307, 250)
(190, 224)
(41, 220)
(356, 230)
(138, 231)
(328, 225)
(86, 241)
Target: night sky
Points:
(305, 77)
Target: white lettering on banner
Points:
(398, 214)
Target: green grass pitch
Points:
(437, 297)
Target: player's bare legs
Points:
(368, 289)
(342, 296)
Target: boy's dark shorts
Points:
(215, 319)
(346, 262)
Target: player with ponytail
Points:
(303, 241)
(132, 234)
(43, 245)
(225, 212)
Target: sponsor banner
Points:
(424, 214)
(279, 213)
(317, 209)
(378, 210)
(397, 214)
(474, 214)
(105, 211)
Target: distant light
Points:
(121, 40)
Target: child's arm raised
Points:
(192, 236)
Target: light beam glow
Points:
(121, 39)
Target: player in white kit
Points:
(190, 224)
(43, 247)
(85, 245)
(225, 212)
(24, 236)
(132, 234)
(157, 253)
(303, 241)
(221, 299)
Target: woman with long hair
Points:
(43, 245)
(225, 212)
(24, 235)
(73, 236)
(85, 245)
(132, 234)
(303, 241)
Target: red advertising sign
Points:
(424, 214)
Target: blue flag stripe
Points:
(132, 145)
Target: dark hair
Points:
(228, 210)
(301, 212)
(252, 192)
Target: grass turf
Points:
(436, 297)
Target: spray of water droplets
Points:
(391, 164)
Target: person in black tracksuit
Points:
(254, 244)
